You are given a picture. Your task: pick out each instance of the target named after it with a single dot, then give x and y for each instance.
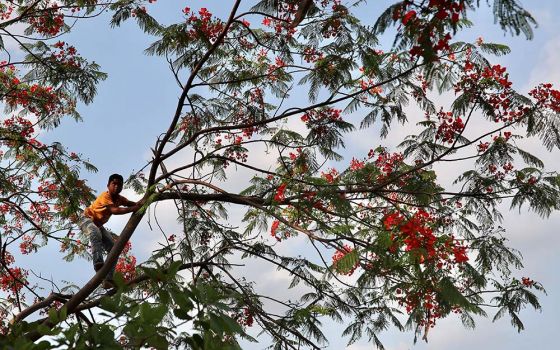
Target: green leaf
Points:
(347, 262)
(152, 314)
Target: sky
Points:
(134, 106)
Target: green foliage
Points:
(273, 107)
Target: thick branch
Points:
(39, 305)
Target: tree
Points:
(416, 250)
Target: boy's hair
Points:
(115, 177)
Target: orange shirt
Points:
(99, 212)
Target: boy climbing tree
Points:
(97, 214)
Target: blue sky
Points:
(136, 102)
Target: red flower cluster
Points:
(331, 176)
(416, 236)
(47, 190)
(280, 193)
(138, 10)
(238, 154)
(246, 318)
(356, 164)
(416, 232)
(299, 162)
(274, 70)
(460, 254)
(427, 25)
(368, 84)
(386, 162)
(321, 115)
(408, 17)
(498, 74)
(547, 97)
(325, 3)
(4, 208)
(203, 24)
(26, 246)
(256, 96)
(483, 146)
(190, 122)
(20, 125)
(295, 156)
(341, 253)
(333, 25)
(65, 55)
(35, 98)
(126, 264)
(500, 175)
(447, 8)
(6, 12)
(274, 228)
(48, 21)
(311, 55)
(449, 126)
(527, 282)
(427, 299)
(12, 279)
(285, 16)
(40, 212)
(492, 86)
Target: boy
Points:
(97, 214)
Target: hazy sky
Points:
(136, 102)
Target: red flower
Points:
(274, 228)
(331, 176)
(408, 16)
(356, 164)
(527, 282)
(455, 17)
(441, 14)
(246, 319)
(392, 220)
(482, 147)
(12, 281)
(279, 196)
(126, 264)
(460, 254)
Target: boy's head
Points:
(115, 184)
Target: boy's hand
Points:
(139, 204)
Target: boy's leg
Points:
(107, 240)
(94, 233)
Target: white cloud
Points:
(547, 68)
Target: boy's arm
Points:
(127, 203)
(122, 210)
(129, 207)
